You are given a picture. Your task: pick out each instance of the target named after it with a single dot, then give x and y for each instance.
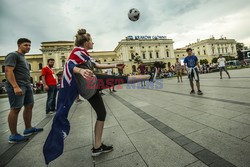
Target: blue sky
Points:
(184, 21)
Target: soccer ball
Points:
(133, 14)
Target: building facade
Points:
(35, 62)
(148, 48)
(209, 48)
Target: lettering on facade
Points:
(145, 37)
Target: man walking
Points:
(50, 85)
(191, 64)
(222, 65)
(19, 91)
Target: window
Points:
(29, 66)
(105, 60)
(132, 56)
(131, 47)
(204, 52)
(218, 50)
(226, 50)
(62, 53)
(150, 55)
(142, 47)
(40, 66)
(222, 50)
(157, 55)
(3, 69)
(177, 55)
(155, 46)
(143, 55)
(63, 62)
(149, 46)
(113, 59)
(199, 53)
(134, 68)
(167, 54)
(213, 50)
(166, 46)
(50, 53)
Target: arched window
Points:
(134, 68)
(40, 66)
(63, 62)
(157, 55)
(167, 54)
(3, 69)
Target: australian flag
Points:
(68, 92)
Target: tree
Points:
(241, 46)
(228, 58)
(214, 60)
(160, 64)
(137, 60)
(203, 61)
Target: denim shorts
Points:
(17, 101)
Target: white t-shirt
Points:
(109, 71)
(221, 62)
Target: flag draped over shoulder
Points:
(54, 143)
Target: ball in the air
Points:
(133, 14)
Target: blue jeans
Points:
(51, 99)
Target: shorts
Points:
(191, 75)
(179, 73)
(223, 68)
(16, 101)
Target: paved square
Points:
(165, 127)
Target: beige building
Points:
(35, 65)
(209, 48)
(148, 48)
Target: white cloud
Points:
(183, 21)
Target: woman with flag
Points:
(68, 92)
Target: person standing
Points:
(178, 70)
(50, 85)
(141, 67)
(109, 72)
(222, 65)
(192, 65)
(19, 91)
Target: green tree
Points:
(137, 59)
(203, 61)
(214, 60)
(241, 46)
(160, 64)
